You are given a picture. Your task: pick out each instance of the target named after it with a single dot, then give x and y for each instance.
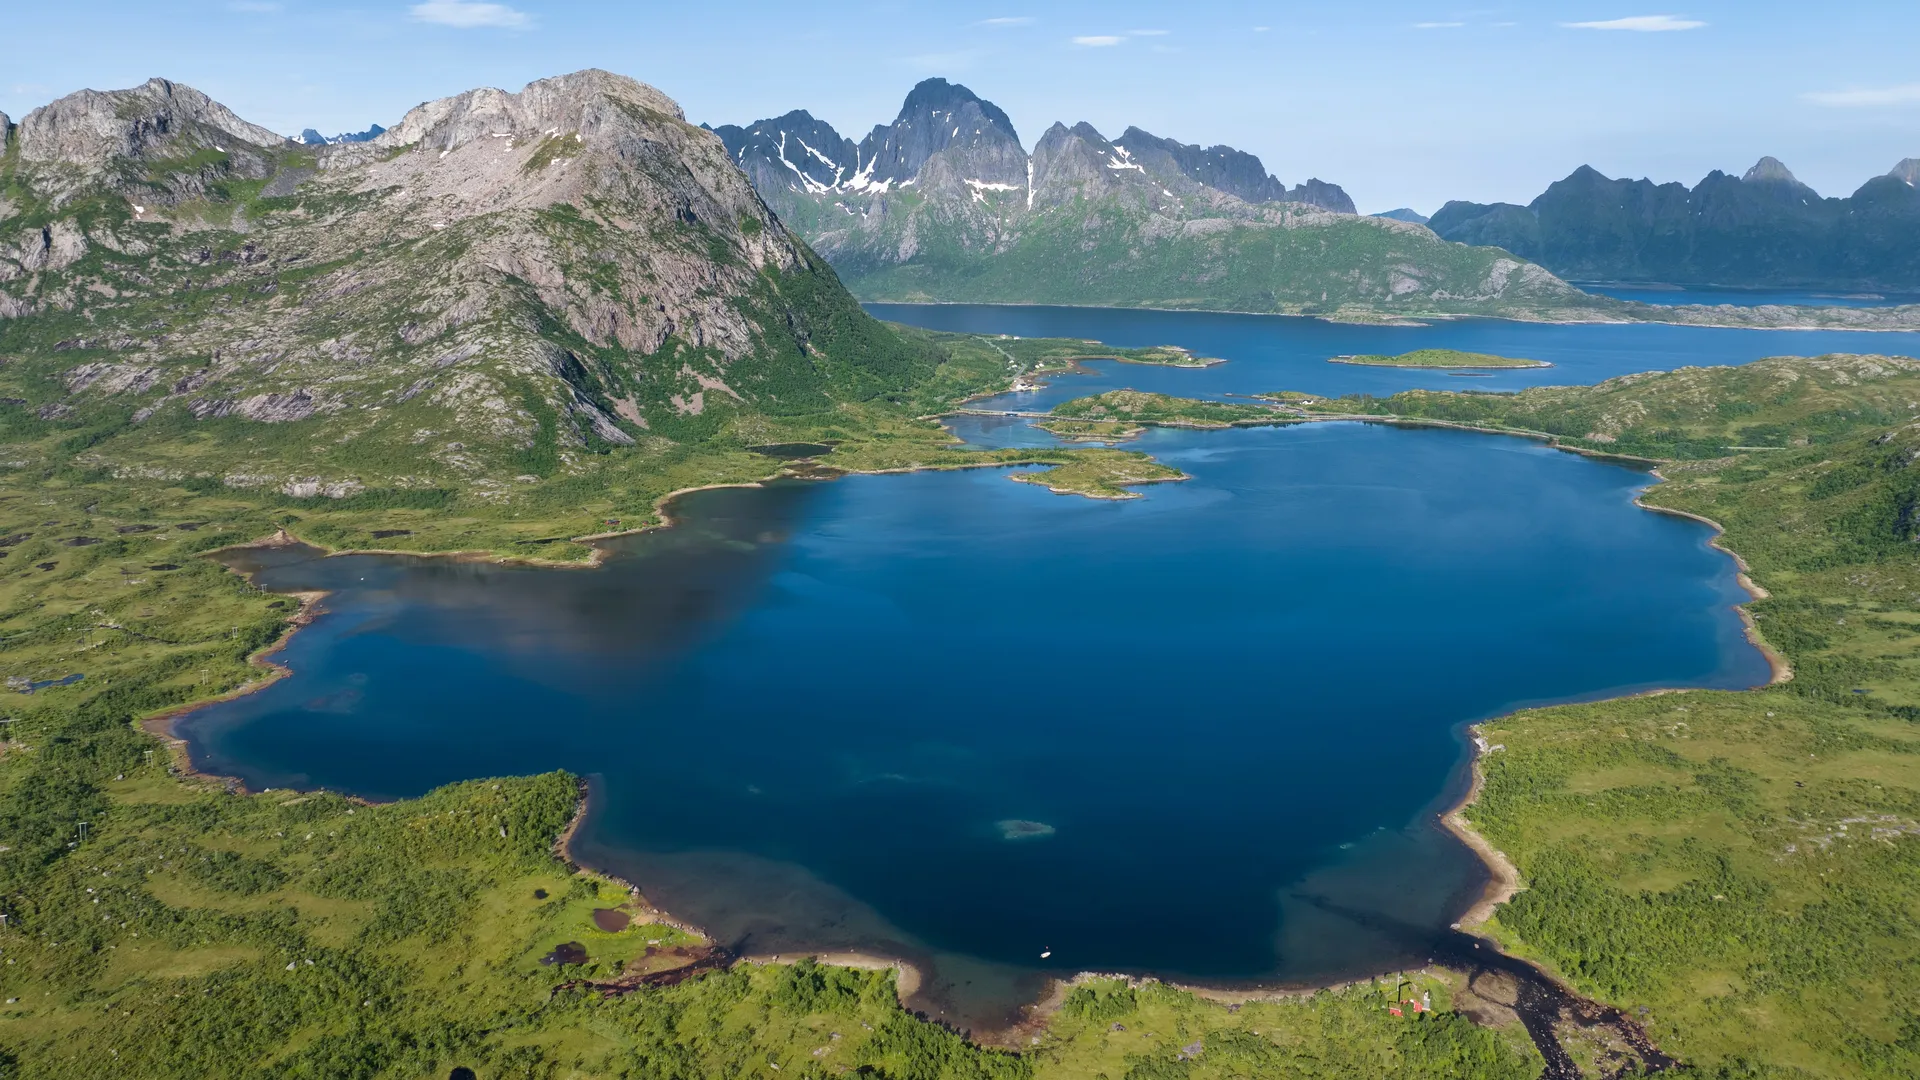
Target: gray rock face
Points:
(1079, 163)
(1908, 170)
(1223, 168)
(794, 151)
(157, 119)
(563, 267)
(1769, 168)
(941, 116)
(1317, 192)
(568, 103)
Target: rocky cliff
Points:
(500, 284)
(1763, 228)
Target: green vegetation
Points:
(1091, 430)
(1101, 474)
(1115, 254)
(1744, 866)
(1693, 413)
(1137, 407)
(1438, 358)
(1145, 1032)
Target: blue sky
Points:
(1403, 103)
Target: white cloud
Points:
(1148, 33)
(467, 14)
(1098, 41)
(255, 7)
(1261, 29)
(1906, 94)
(1645, 24)
(1007, 20)
(1437, 25)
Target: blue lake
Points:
(1708, 294)
(1281, 352)
(963, 721)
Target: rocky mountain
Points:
(945, 204)
(1404, 214)
(310, 137)
(1223, 168)
(500, 285)
(1763, 228)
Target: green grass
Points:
(1137, 407)
(1439, 358)
(1779, 403)
(1091, 430)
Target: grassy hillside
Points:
(1775, 404)
(1118, 256)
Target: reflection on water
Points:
(966, 721)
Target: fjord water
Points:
(962, 720)
(1743, 297)
(1281, 352)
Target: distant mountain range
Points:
(798, 152)
(946, 204)
(310, 137)
(1404, 214)
(1763, 228)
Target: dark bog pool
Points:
(964, 720)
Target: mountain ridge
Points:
(1762, 228)
(1083, 219)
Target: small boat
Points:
(1044, 953)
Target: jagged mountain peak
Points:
(93, 128)
(566, 103)
(1224, 168)
(1908, 170)
(794, 151)
(312, 137)
(936, 96)
(1769, 169)
(942, 117)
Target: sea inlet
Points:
(956, 720)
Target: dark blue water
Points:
(819, 712)
(1280, 352)
(1670, 295)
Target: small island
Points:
(1439, 358)
(1120, 413)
